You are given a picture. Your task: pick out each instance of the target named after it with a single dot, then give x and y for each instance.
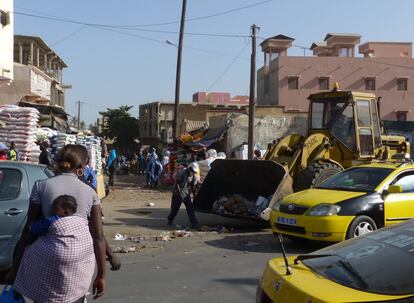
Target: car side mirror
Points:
(395, 189)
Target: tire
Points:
(315, 174)
(361, 225)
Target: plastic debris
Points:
(149, 204)
(164, 237)
(120, 237)
(181, 233)
(125, 250)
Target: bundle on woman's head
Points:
(72, 157)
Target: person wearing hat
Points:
(185, 184)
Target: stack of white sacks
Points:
(93, 144)
(21, 126)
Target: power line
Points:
(102, 26)
(153, 24)
(227, 68)
(69, 36)
(207, 16)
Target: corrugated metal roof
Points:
(193, 125)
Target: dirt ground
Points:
(140, 214)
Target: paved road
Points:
(220, 270)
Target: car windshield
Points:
(362, 179)
(359, 263)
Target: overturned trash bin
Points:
(243, 188)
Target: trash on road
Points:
(149, 204)
(164, 237)
(125, 250)
(120, 237)
(236, 205)
(181, 233)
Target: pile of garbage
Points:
(237, 205)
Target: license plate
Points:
(288, 221)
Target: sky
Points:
(128, 62)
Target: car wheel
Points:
(361, 226)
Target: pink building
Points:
(219, 98)
(383, 68)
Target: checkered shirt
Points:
(59, 266)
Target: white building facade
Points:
(6, 42)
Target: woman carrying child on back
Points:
(67, 278)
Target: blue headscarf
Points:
(112, 157)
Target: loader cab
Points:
(349, 117)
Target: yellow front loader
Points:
(343, 130)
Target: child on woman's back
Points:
(63, 206)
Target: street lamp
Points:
(169, 42)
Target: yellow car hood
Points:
(315, 196)
(304, 286)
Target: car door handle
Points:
(13, 211)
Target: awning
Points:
(213, 135)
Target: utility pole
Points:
(178, 75)
(79, 113)
(252, 99)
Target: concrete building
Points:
(219, 98)
(156, 119)
(383, 68)
(38, 74)
(6, 42)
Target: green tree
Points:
(120, 126)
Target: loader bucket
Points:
(247, 178)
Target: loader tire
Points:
(315, 174)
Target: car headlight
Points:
(324, 210)
(276, 206)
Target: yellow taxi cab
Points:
(376, 267)
(349, 204)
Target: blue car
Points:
(16, 182)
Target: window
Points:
(317, 115)
(375, 124)
(401, 116)
(365, 132)
(323, 83)
(293, 82)
(344, 127)
(344, 52)
(363, 179)
(402, 84)
(406, 181)
(323, 112)
(369, 83)
(10, 183)
(356, 264)
(364, 116)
